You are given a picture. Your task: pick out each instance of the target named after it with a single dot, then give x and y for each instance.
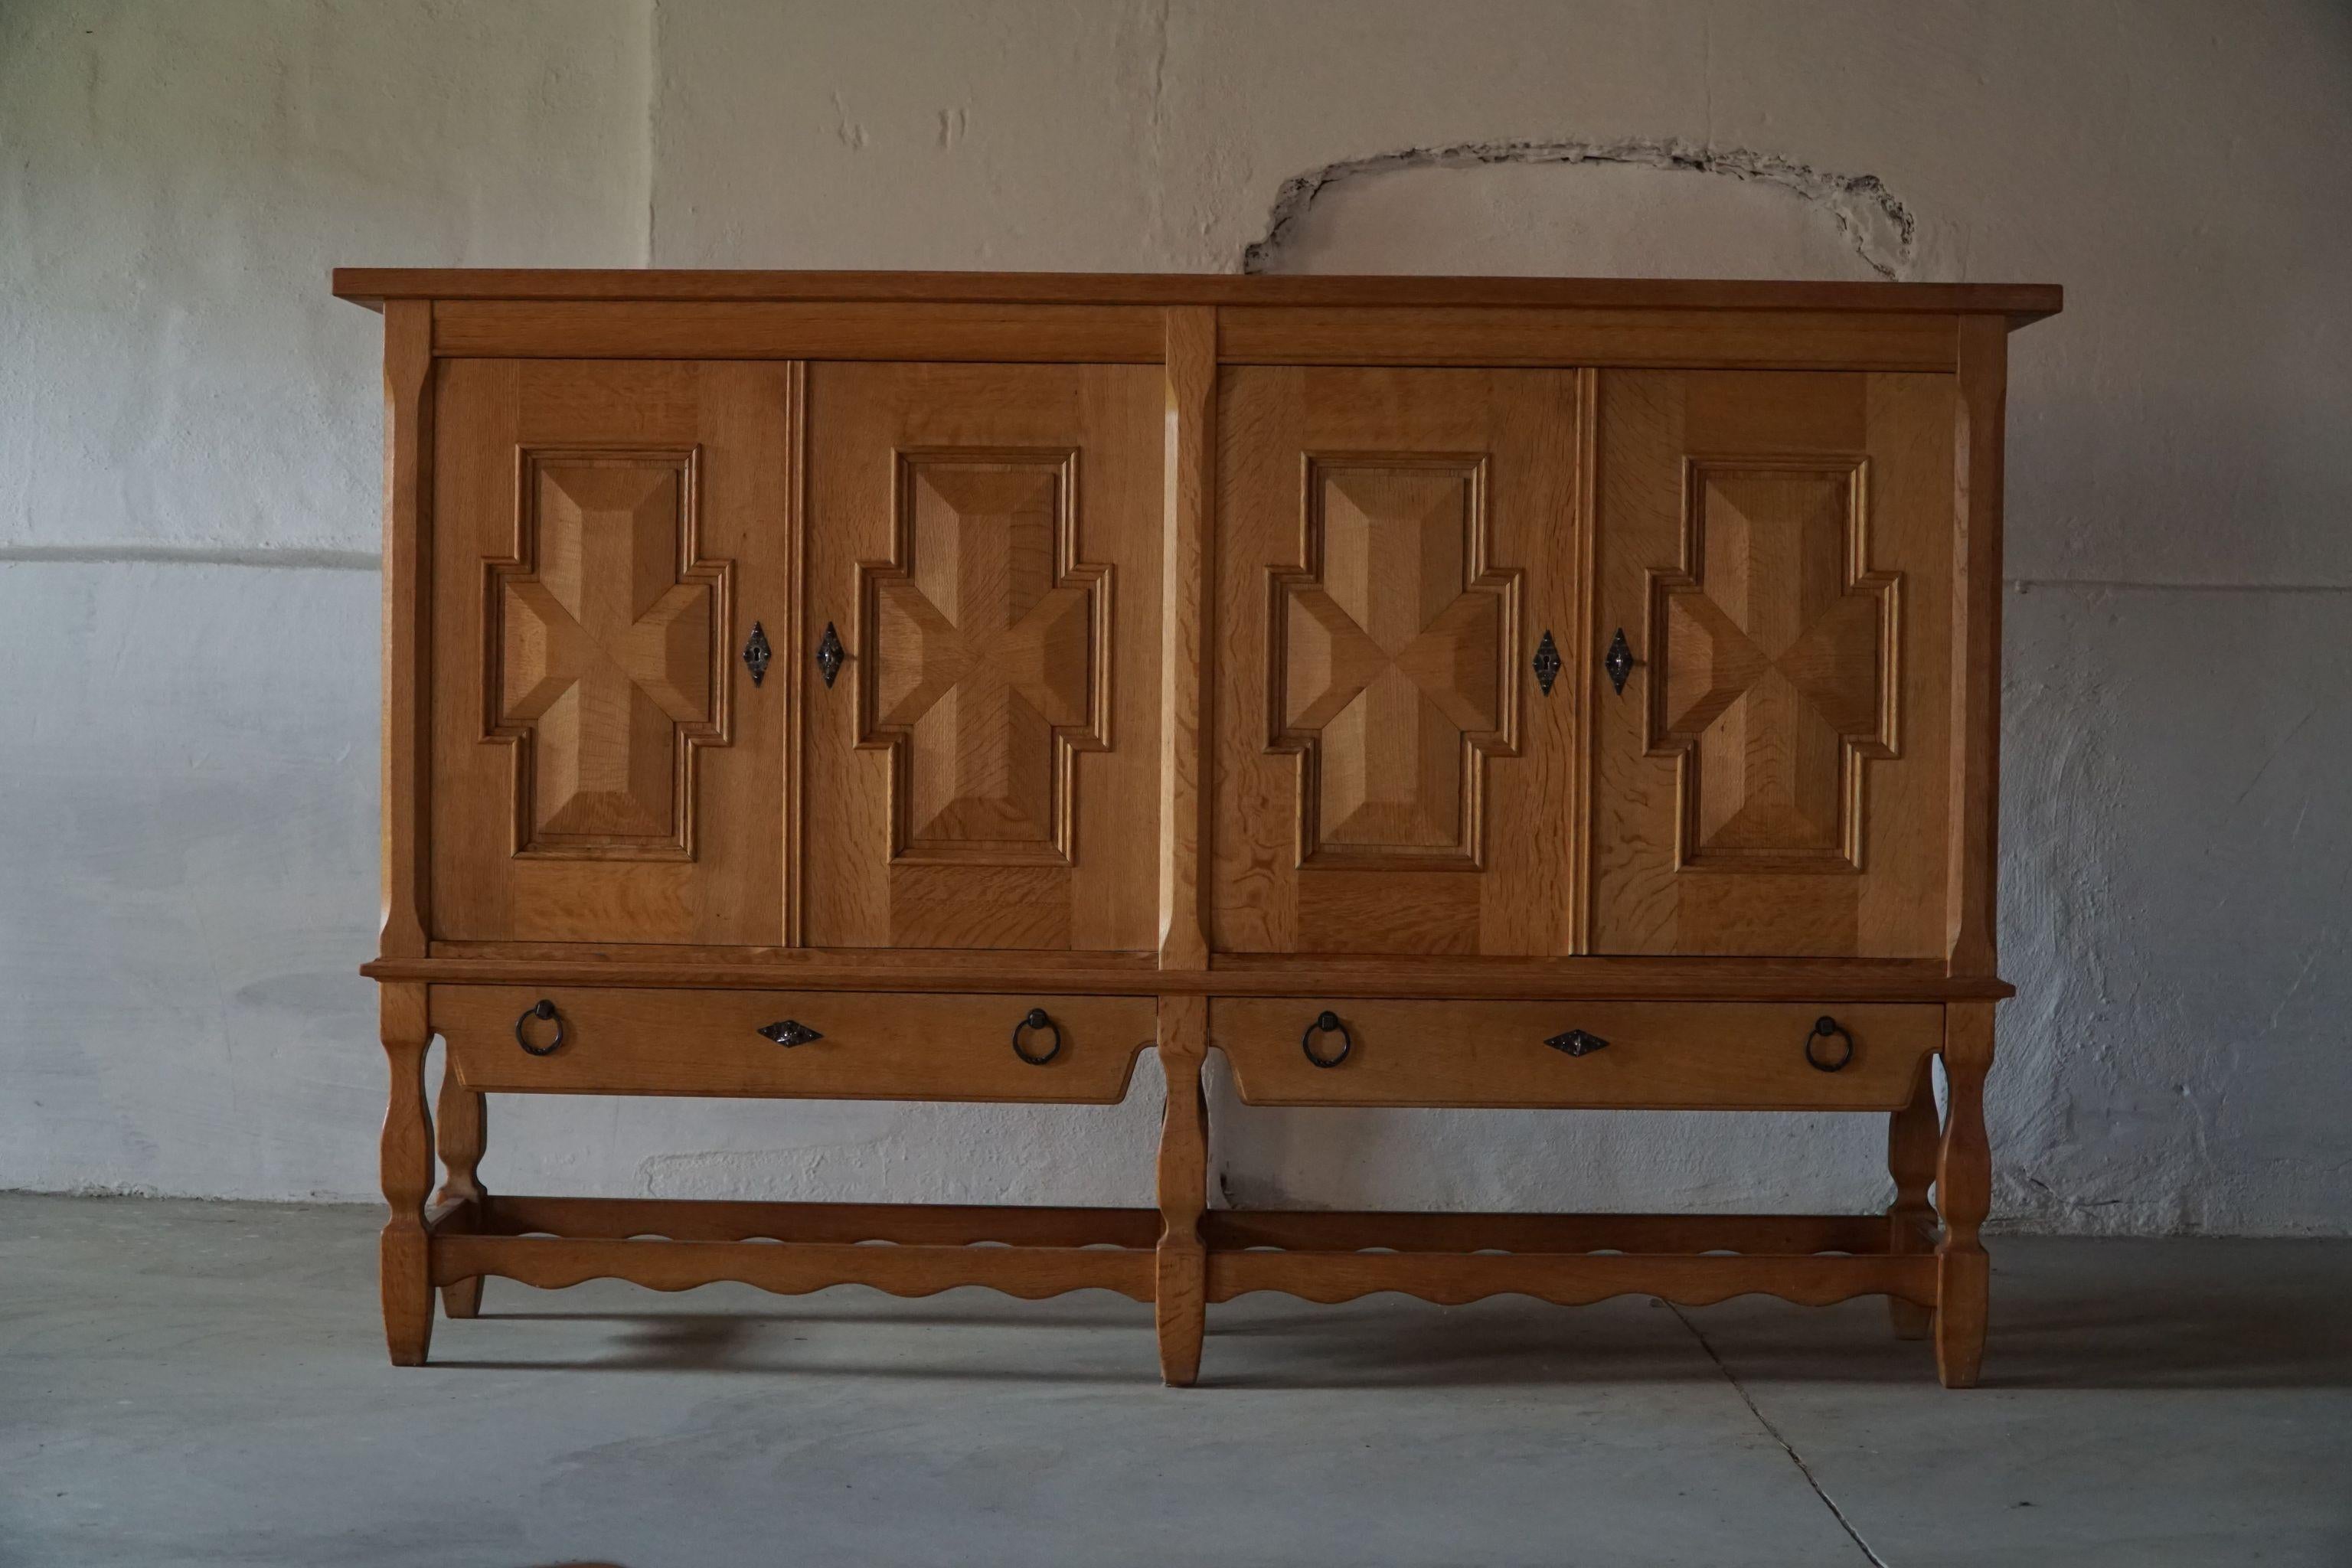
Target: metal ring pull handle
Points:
(1328, 1023)
(1828, 1028)
(542, 1009)
(1035, 1019)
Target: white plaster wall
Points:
(188, 505)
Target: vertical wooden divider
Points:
(1189, 576)
(1186, 665)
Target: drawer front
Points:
(867, 1045)
(1657, 1056)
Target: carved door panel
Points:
(605, 536)
(983, 544)
(1398, 572)
(1776, 551)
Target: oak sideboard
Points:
(1458, 692)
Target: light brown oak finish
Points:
(603, 766)
(1392, 547)
(1658, 1055)
(1964, 1194)
(872, 1046)
(1192, 684)
(987, 542)
(1774, 777)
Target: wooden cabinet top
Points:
(2018, 303)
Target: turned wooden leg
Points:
(458, 1121)
(1181, 1299)
(1964, 1192)
(407, 1150)
(1911, 1218)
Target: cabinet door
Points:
(1395, 754)
(1776, 551)
(605, 536)
(985, 542)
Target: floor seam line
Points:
(1774, 1432)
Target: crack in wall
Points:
(1879, 227)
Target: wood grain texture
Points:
(873, 1047)
(983, 657)
(715, 1219)
(1753, 789)
(404, 1266)
(461, 1129)
(1108, 334)
(1659, 1055)
(408, 442)
(1964, 1193)
(1240, 974)
(603, 665)
(1181, 1299)
(1061, 717)
(673, 778)
(2020, 301)
(1561, 337)
(1911, 1138)
(1187, 648)
(1320, 1230)
(1972, 838)
(1401, 785)
(1568, 1279)
(796, 1269)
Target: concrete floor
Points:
(188, 1383)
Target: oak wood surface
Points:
(1659, 1055)
(1000, 333)
(1330, 1230)
(1180, 1295)
(405, 1160)
(1975, 607)
(1964, 1196)
(1187, 732)
(1392, 547)
(1569, 1278)
(2019, 302)
(798, 1267)
(1750, 339)
(460, 1129)
(1263, 975)
(408, 707)
(720, 1219)
(874, 1046)
(987, 541)
(1186, 645)
(603, 766)
(1773, 778)
(1910, 1217)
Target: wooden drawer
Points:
(1658, 1055)
(870, 1045)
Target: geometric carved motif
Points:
(604, 661)
(1389, 659)
(983, 657)
(1773, 659)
